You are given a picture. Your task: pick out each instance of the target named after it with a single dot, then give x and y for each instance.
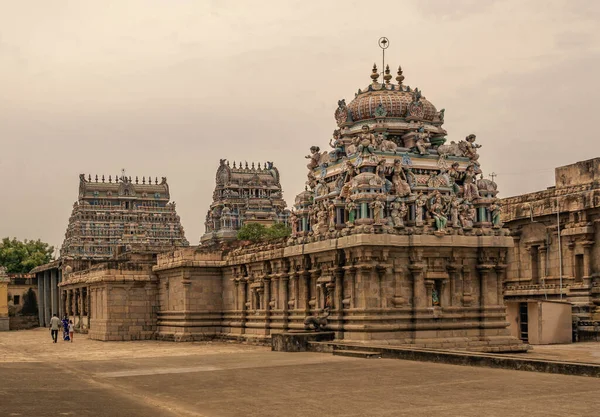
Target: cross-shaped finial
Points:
(493, 175)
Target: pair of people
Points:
(67, 327)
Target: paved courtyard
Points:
(90, 378)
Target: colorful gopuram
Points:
(244, 194)
(121, 211)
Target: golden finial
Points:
(400, 77)
(387, 77)
(375, 74)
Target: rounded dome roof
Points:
(391, 101)
(387, 100)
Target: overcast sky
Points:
(167, 87)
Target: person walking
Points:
(65, 324)
(71, 330)
(55, 325)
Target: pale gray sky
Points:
(167, 87)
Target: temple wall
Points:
(117, 304)
(428, 294)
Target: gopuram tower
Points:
(396, 238)
(244, 194)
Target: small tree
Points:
(30, 306)
(252, 231)
(21, 257)
(278, 230)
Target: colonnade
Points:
(48, 295)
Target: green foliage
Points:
(252, 231)
(278, 230)
(30, 306)
(256, 232)
(21, 257)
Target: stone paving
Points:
(150, 378)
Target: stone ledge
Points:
(488, 360)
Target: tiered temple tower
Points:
(121, 212)
(244, 194)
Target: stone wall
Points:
(122, 302)
(426, 290)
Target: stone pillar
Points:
(47, 301)
(419, 290)
(69, 302)
(267, 300)
(339, 290)
(40, 299)
(307, 283)
(467, 297)
(543, 251)
(453, 274)
(429, 283)
(88, 306)
(500, 277)
(4, 320)
(54, 290)
(352, 278)
(61, 297)
(236, 294)
(587, 261)
(244, 304)
(484, 297)
(285, 299)
(517, 255)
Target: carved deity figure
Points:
(314, 157)
(399, 212)
(435, 297)
(470, 191)
(351, 208)
(438, 212)
(366, 141)
(496, 210)
(377, 206)
(422, 141)
(419, 203)
(294, 223)
(454, 209)
(399, 180)
(331, 215)
(455, 177)
(339, 149)
(467, 215)
(469, 148)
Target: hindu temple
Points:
(396, 238)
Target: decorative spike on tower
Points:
(387, 77)
(374, 74)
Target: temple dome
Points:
(389, 101)
(393, 100)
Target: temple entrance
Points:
(523, 323)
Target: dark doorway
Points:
(578, 268)
(523, 323)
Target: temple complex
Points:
(556, 255)
(396, 238)
(110, 216)
(244, 194)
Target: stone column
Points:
(40, 299)
(352, 275)
(587, 261)
(484, 287)
(467, 286)
(244, 304)
(285, 299)
(419, 290)
(543, 251)
(429, 283)
(267, 300)
(54, 290)
(339, 290)
(453, 274)
(61, 298)
(307, 282)
(4, 320)
(500, 277)
(88, 307)
(517, 255)
(236, 294)
(47, 301)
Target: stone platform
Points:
(298, 341)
